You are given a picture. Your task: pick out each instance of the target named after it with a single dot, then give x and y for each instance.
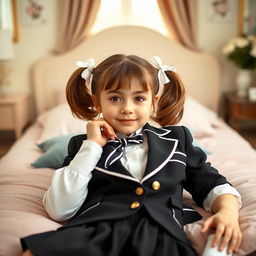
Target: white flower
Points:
(228, 48)
(242, 51)
(241, 42)
(252, 38)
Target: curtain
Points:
(76, 20)
(180, 18)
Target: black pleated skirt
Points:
(137, 235)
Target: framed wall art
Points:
(33, 12)
(221, 10)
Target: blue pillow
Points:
(196, 144)
(56, 149)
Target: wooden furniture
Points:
(14, 113)
(239, 109)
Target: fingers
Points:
(100, 131)
(227, 240)
(225, 235)
(235, 241)
(228, 237)
(108, 131)
(207, 225)
(218, 235)
(231, 239)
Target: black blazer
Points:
(173, 164)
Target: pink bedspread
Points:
(22, 188)
(236, 159)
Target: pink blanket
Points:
(22, 188)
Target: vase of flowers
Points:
(242, 51)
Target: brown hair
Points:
(118, 71)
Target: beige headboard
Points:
(199, 71)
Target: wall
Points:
(212, 36)
(38, 41)
(35, 42)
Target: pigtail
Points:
(79, 97)
(171, 103)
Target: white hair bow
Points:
(89, 65)
(162, 77)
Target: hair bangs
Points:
(124, 75)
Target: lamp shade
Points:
(6, 45)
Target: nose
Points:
(127, 107)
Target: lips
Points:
(126, 121)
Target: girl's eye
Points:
(115, 98)
(139, 99)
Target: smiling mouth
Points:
(126, 121)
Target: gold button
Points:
(135, 205)
(139, 191)
(156, 185)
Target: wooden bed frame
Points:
(49, 81)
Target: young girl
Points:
(121, 185)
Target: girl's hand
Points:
(227, 230)
(100, 131)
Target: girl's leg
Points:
(27, 253)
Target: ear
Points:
(96, 103)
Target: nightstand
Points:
(14, 113)
(239, 109)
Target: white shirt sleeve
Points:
(69, 184)
(218, 191)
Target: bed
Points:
(26, 170)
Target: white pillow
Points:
(199, 118)
(59, 121)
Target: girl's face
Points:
(126, 109)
